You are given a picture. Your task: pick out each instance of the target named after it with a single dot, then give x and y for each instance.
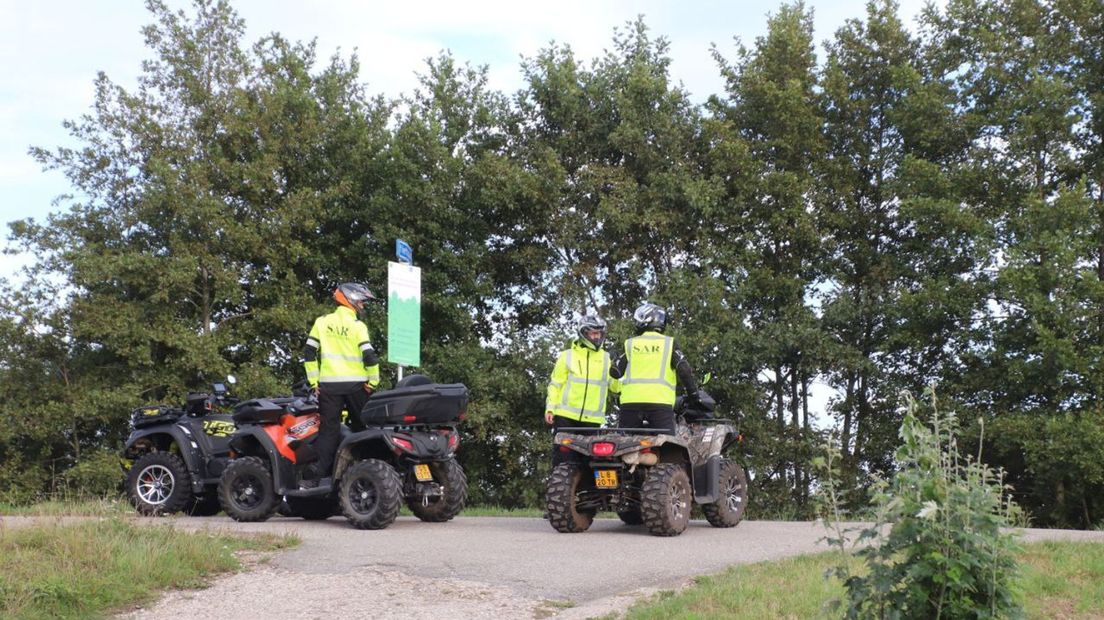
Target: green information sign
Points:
(404, 314)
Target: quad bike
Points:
(647, 477)
(174, 456)
(404, 449)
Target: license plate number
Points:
(605, 478)
(422, 473)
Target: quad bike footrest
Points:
(315, 492)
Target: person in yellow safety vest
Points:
(650, 367)
(580, 382)
(342, 369)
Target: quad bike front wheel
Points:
(666, 500)
(246, 490)
(454, 494)
(562, 496)
(370, 494)
(732, 496)
(159, 484)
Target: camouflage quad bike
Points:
(647, 477)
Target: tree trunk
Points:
(799, 475)
(807, 434)
(845, 432)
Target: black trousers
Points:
(649, 416)
(332, 399)
(558, 422)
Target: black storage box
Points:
(154, 414)
(430, 403)
(196, 404)
(260, 411)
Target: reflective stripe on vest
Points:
(339, 337)
(584, 395)
(649, 377)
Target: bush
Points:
(937, 550)
(1056, 464)
(97, 474)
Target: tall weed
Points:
(936, 549)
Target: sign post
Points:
(404, 309)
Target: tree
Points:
(183, 256)
(772, 107)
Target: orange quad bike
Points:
(404, 448)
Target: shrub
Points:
(936, 547)
(97, 474)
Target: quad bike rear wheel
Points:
(370, 494)
(159, 484)
(454, 494)
(563, 493)
(732, 495)
(246, 490)
(666, 500)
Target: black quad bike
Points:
(647, 477)
(404, 448)
(174, 456)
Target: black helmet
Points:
(591, 323)
(353, 295)
(650, 317)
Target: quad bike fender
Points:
(163, 437)
(254, 441)
(366, 444)
(706, 477)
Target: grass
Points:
(498, 511)
(77, 508)
(1058, 580)
(90, 569)
(1064, 579)
(790, 588)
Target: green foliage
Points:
(1055, 465)
(95, 474)
(937, 549)
(896, 207)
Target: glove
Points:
(705, 401)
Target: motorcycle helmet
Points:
(650, 317)
(353, 295)
(588, 325)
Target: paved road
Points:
(523, 562)
(477, 567)
(528, 556)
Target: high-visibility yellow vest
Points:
(648, 376)
(341, 340)
(580, 383)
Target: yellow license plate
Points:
(422, 473)
(605, 478)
